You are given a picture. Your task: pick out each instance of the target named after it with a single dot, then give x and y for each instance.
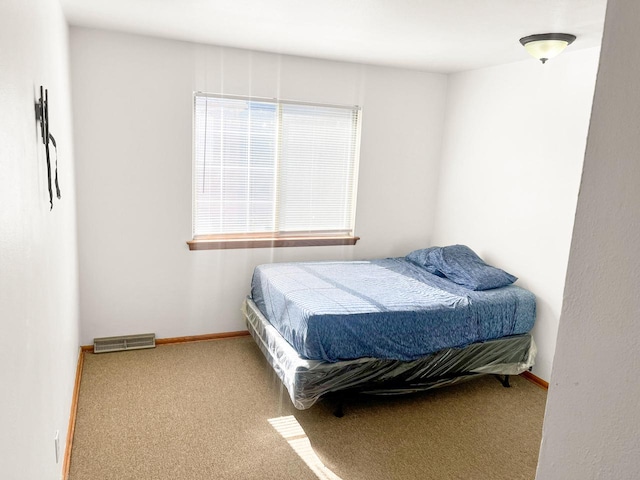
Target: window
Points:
(273, 173)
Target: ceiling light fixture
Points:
(544, 46)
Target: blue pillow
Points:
(461, 265)
(421, 257)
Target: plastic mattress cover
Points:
(309, 380)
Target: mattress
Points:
(309, 380)
(387, 309)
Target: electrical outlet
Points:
(56, 441)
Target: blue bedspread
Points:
(388, 308)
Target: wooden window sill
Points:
(262, 242)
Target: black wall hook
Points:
(42, 116)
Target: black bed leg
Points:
(337, 399)
(504, 381)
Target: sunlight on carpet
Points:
(289, 428)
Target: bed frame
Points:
(309, 380)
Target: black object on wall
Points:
(42, 116)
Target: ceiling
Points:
(434, 35)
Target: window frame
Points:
(274, 239)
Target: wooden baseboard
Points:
(201, 338)
(72, 417)
(535, 379)
(192, 338)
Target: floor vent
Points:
(126, 342)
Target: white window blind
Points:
(273, 168)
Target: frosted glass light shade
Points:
(547, 45)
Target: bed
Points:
(434, 318)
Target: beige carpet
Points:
(214, 410)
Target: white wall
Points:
(38, 259)
(133, 108)
(512, 156)
(592, 420)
